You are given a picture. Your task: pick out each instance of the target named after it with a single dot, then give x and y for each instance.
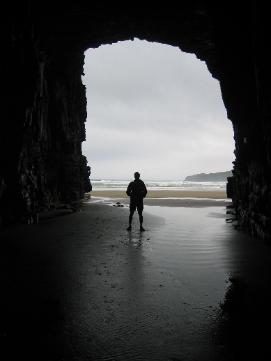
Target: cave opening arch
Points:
(150, 103)
(44, 51)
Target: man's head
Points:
(137, 175)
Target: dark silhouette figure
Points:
(136, 190)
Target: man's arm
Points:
(144, 191)
(129, 189)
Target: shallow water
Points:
(156, 295)
(81, 287)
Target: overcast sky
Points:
(153, 109)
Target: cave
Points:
(42, 168)
(45, 103)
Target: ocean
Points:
(120, 184)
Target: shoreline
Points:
(177, 194)
(164, 198)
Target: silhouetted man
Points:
(136, 190)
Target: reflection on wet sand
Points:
(189, 288)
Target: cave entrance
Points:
(153, 108)
(156, 110)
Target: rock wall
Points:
(45, 105)
(244, 83)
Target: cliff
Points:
(209, 177)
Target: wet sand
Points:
(166, 198)
(167, 202)
(163, 194)
(80, 287)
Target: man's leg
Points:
(132, 211)
(141, 219)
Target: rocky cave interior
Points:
(44, 106)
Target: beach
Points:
(167, 198)
(164, 194)
(81, 287)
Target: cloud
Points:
(155, 109)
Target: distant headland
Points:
(209, 177)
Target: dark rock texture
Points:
(44, 107)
